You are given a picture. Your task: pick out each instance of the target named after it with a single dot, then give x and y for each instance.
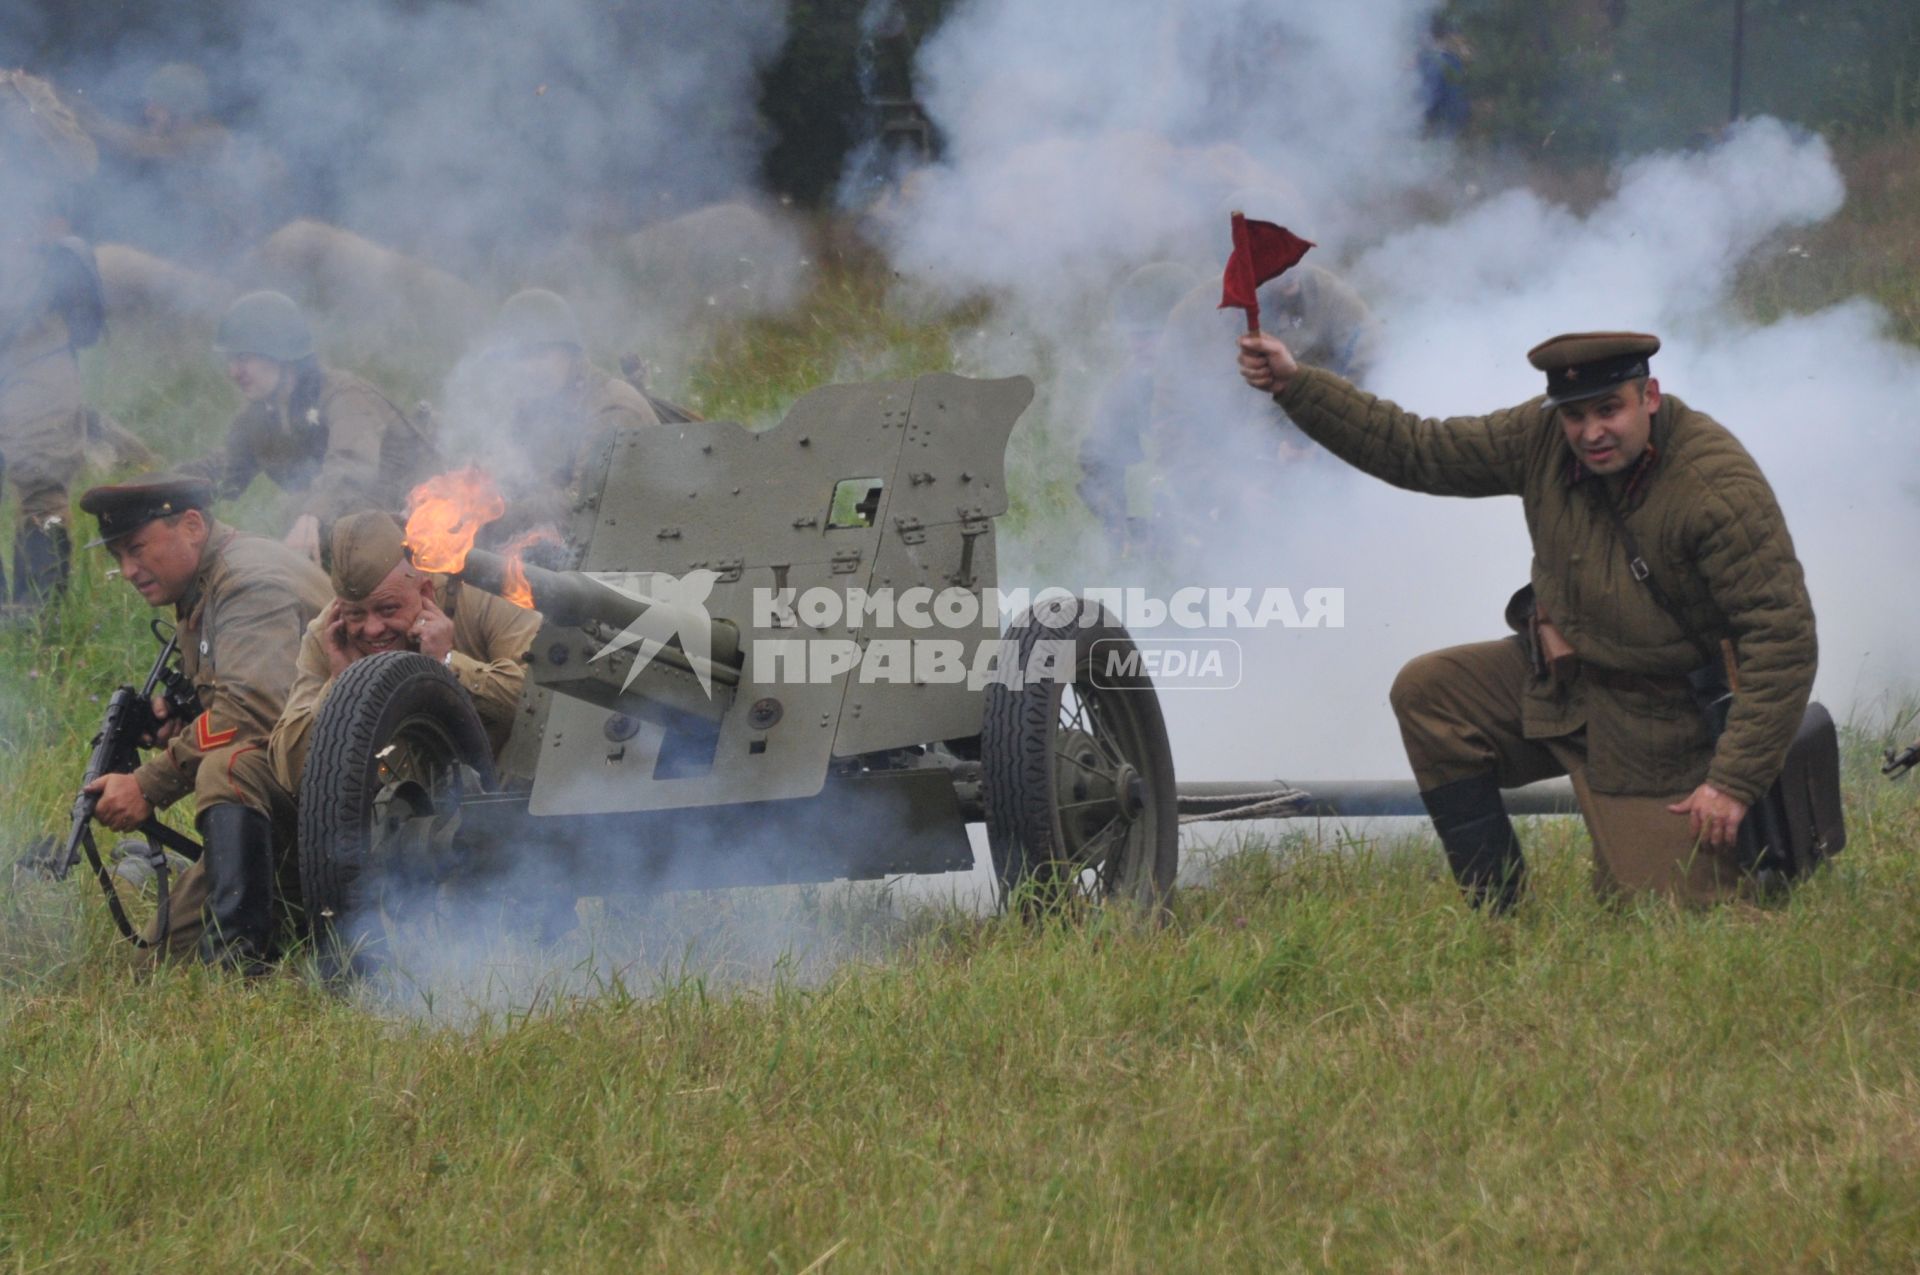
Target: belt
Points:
(1620, 680)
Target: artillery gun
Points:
(716, 699)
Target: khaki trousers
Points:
(1460, 717)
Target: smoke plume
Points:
(1065, 171)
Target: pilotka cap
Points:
(124, 508)
(1588, 364)
(366, 547)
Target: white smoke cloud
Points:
(404, 166)
(490, 125)
(1084, 139)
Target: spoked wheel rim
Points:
(414, 851)
(1105, 830)
(1077, 774)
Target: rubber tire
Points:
(1018, 770)
(338, 783)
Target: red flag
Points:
(1261, 251)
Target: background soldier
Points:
(49, 305)
(1662, 800)
(560, 403)
(240, 605)
(381, 602)
(324, 434)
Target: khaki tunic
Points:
(239, 626)
(491, 637)
(355, 450)
(1712, 534)
(42, 429)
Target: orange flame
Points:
(514, 587)
(446, 512)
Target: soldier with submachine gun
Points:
(240, 604)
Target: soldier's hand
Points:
(169, 726)
(1266, 363)
(304, 537)
(1715, 816)
(122, 807)
(432, 631)
(339, 646)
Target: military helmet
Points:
(1145, 297)
(536, 317)
(268, 324)
(181, 88)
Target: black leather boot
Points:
(1481, 847)
(239, 866)
(42, 560)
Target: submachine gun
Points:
(129, 724)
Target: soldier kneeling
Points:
(240, 603)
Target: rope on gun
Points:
(1264, 804)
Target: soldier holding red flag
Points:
(1621, 485)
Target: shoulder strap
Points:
(1638, 568)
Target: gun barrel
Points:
(572, 598)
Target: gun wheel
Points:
(1077, 770)
(396, 749)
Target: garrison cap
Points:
(124, 508)
(1588, 364)
(367, 546)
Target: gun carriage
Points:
(703, 706)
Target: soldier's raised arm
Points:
(1459, 456)
(489, 655)
(313, 675)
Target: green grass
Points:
(1323, 1062)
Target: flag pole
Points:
(1243, 253)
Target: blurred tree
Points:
(812, 96)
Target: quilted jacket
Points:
(1710, 530)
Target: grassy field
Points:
(1323, 1062)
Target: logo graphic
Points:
(822, 633)
(1171, 664)
(673, 607)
